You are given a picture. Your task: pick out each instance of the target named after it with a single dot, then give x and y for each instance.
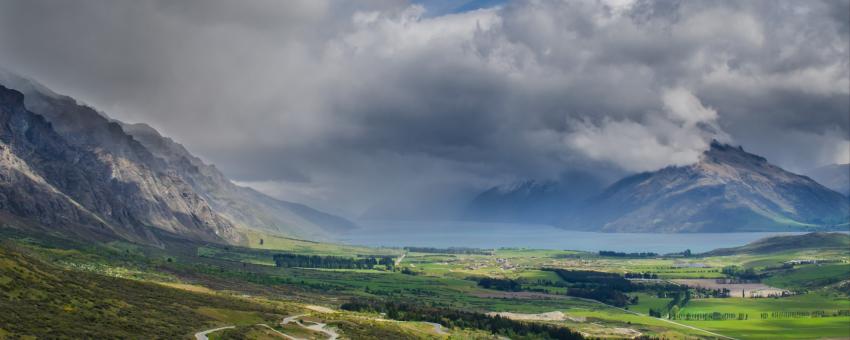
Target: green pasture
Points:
(810, 276)
(773, 328)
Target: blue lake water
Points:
(498, 235)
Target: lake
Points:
(498, 235)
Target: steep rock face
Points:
(246, 207)
(727, 190)
(165, 172)
(834, 176)
(85, 172)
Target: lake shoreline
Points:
(446, 234)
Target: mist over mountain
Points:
(70, 167)
(532, 201)
(424, 169)
(246, 207)
(833, 176)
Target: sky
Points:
(391, 108)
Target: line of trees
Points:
(655, 312)
(592, 278)
(686, 253)
(714, 316)
(680, 299)
(701, 292)
(812, 314)
(640, 275)
(717, 316)
(739, 273)
(450, 250)
(611, 288)
(454, 318)
(609, 253)
(289, 260)
(604, 287)
(499, 284)
(603, 294)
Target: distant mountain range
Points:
(67, 168)
(727, 190)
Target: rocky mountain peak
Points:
(725, 153)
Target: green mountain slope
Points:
(785, 243)
(42, 300)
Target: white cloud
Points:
(676, 137)
(682, 105)
(822, 80)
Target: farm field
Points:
(735, 289)
(810, 276)
(785, 327)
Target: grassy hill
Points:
(42, 300)
(819, 240)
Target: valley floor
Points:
(58, 288)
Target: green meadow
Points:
(188, 272)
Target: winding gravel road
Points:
(203, 334)
(316, 326)
(438, 328)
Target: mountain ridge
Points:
(245, 206)
(53, 181)
(728, 189)
(833, 176)
(166, 186)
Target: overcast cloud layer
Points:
(360, 107)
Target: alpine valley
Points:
(111, 230)
(425, 170)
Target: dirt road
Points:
(316, 326)
(203, 334)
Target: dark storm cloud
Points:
(364, 106)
